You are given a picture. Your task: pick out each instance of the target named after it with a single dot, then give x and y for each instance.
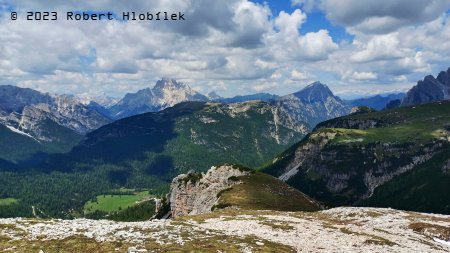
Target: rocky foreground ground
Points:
(335, 230)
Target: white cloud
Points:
(381, 47)
(382, 16)
(364, 76)
(299, 75)
(287, 44)
(305, 4)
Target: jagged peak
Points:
(316, 91)
(444, 77)
(213, 95)
(166, 83)
(316, 84)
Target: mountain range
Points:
(313, 104)
(377, 102)
(60, 152)
(56, 123)
(190, 135)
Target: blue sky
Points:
(233, 47)
(316, 19)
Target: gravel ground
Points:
(335, 230)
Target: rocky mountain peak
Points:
(96, 98)
(166, 93)
(169, 84)
(315, 92)
(213, 96)
(429, 89)
(444, 77)
(15, 99)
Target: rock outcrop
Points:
(197, 193)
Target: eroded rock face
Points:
(352, 170)
(196, 193)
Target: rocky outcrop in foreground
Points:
(197, 193)
(335, 230)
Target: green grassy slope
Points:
(112, 203)
(259, 191)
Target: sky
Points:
(234, 47)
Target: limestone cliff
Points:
(196, 193)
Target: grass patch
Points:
(8, 201)
(277, 225)
(431, 230)
(263, 192)
(373, 239)
(113, 203)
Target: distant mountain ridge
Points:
(166, 93)
(42, 122)
(429, 89)
(266, 97)
(60, 121)
(377, 102)
(314, 104)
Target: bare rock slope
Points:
(335, 230)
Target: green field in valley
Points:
(116, 202)
(7, 201)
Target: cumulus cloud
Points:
(382, 16)
(364, 76)
(383, 47)
(288, 44)
(299, 75)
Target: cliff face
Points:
(195, 193)
(349, 169)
